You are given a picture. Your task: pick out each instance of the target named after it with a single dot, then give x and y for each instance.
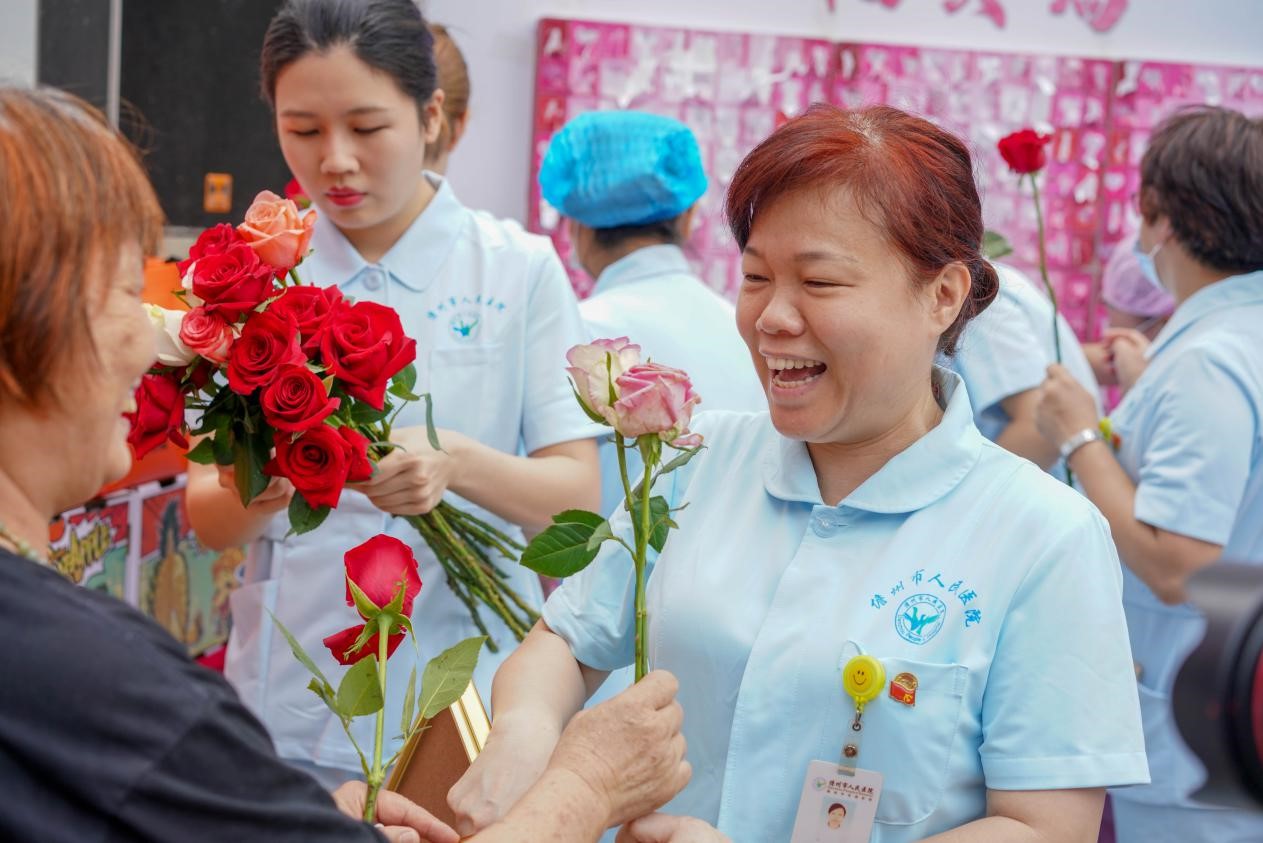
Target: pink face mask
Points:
(1124, 286)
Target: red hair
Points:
(72, 195)
(910, 178)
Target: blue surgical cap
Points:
(613, 168)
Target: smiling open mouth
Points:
(789, 373)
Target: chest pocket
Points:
(466, 385)
(912, 745)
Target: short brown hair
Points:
(910, 178)
(454, 82)
(73, 194)
(1203, 170)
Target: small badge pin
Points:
(903, 688)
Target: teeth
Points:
(779, 363)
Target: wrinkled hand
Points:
(1064, 406)
(1127, 351)
(400, 819)
(274, 498)
(628, 750)
(411, 479)
(516, 753)
(665, 828)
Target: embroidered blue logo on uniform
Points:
(919, 618)
(465, 324)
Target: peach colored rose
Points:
(276, 231)
(656, 399)
(591, 368)
(166, 324)
(208, 334)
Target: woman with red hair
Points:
(860, 580)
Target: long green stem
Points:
(642, 543)
(378, 775)
(1048, 286)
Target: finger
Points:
(396, 810)
(654, 828)
(408, 502)
(399, 834)
(658, 689)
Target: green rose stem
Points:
(378, 775)
(638, 560)
(1048, 286)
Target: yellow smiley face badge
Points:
(863, 679)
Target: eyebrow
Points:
(810, 256)
(363, 109)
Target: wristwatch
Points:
(1074, 443)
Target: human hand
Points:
(1064, 407)
(1102, 362)
(274, 498)
(628, 751)
(399, 818)
(516, 753)
(1127, 350)
(411, 479)
(666, 828)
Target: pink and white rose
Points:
(593, 365)
(208, 334)
(656, 399)
(172, 351)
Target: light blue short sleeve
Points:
(998, 357)
(1198, 434)
(551, 415)
(1060, 709)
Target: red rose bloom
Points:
(378, 567)
(296, 400)
(159, 414)
(233, 282)
(364, 346)
(207, 334)
(267, 343)
(309, 308)
(1024, 151)
(339, 642)
(213, 241)
(321, 462)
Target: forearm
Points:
(560, 807)
(526, 490)
(991, 830)
(216, 513)
(1052, 816)
(540, 686)
(1021, 437)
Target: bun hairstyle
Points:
(910, 177)
(387, 35)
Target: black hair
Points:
(835, 806)
(387, 35)
(667, 231)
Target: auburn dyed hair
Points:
(908, 177)
(454, 81)
(73, 195)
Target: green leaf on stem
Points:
(363, 603)
(364, 413)
(587, 411)
(601, 534)
(399, 390)
(303, 658)
(447, 676)
(359, 692)
(327, 696)
(406, 377)
(681, 460)
(659, 520)
(203, 453)
(995, 245)
(562, 549)
(409, 702)
(303, 518)
(431, 432)
(221, 441)
(249, 458)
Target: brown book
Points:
(440, 753)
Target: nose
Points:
(338, 158)
(781, 315)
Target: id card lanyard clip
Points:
(863, 678)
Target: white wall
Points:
(18, 39)
(490, 169)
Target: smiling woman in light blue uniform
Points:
(492, 313)
(1186, 484)
(1003, 356)
(863, 516)
(628, 183)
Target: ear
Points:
(432, 117)
(947, 294)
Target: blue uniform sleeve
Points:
(1060, 709)
(551, 415)
(998, 356)
(1198, 436)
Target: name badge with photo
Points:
(838, 804)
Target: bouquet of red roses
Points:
(297, 381)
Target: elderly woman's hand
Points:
(1064, 407)
(666, 828)
(399, 818)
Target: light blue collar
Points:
(912, 479)
(648, 262)
(415, 259)
(1235, 291)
